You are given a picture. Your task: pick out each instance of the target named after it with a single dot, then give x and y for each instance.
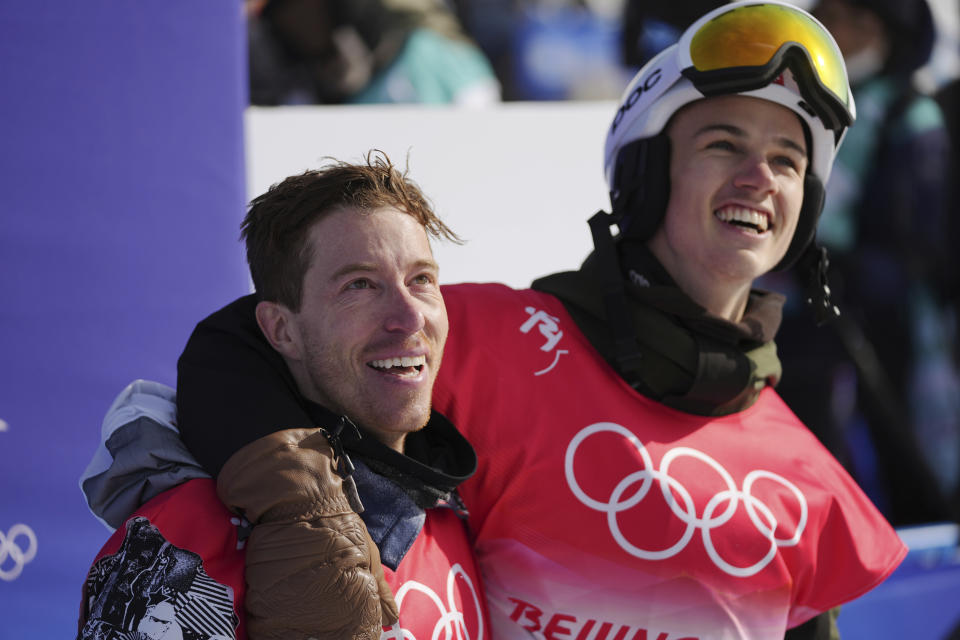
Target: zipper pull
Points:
(344, 465)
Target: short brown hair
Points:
(278, 222)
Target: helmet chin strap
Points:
(811, 259)
(804, 234)
(628, 356)
(813, 264)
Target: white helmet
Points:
(768, 50)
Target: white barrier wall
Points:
(517, 182)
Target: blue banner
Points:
(122, 194)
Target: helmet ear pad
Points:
(640, 186)
(813, 196)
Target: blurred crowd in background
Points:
(880, 387)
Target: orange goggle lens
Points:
(750, 37)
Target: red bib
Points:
(437, 585)
(599, 513)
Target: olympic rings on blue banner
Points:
(10, 550)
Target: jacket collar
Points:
(396, 488)
(690, 359)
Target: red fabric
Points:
(191, 517)
(571, 507)
(437, 584)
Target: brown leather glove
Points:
(312, 570)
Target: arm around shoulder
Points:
(311, 568)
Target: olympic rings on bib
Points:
(450, 623)
(759, 513)
(10, 550)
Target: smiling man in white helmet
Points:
(638, 475)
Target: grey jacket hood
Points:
(140, 453)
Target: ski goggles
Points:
(746, 47)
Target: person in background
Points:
(364, 51)
(348, 305)
(879, 387)
(649, 28)
(638, 474)
(948, 97)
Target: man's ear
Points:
(279, 328)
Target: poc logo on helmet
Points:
(650, 82)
